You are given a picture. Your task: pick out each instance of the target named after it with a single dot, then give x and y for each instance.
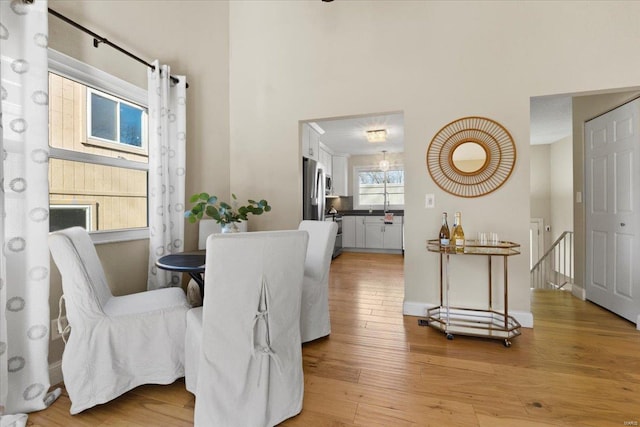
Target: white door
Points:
(535, 241)
(612, 190)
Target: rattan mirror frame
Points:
(490, 135)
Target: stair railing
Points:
(554, 270)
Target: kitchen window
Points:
(98, 163)
(369, 184)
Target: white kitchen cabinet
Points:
(374, 235)
(340, 176)
(325, 160)
(379, 235)
(310, 143)
(370, 232)
(348, 231)
(393, 235)
(360, 232)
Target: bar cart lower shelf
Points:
(487, 323)
(469, 322)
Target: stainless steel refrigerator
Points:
(313, 191)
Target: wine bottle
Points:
(445, 236)
(458, 233)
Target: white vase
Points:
(230, 227)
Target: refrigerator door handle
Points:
(315, 188)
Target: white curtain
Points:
(167, 136)
(24, 203)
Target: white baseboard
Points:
(419, 309)
(55, 372)
(578, 292)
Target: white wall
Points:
(436, 62)
(540, 187)
(561, 177)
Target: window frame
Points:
(88, 208)
(92, 77)
(93, 140)
(356, 187)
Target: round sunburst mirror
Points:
(471, 156)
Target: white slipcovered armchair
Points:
(116, 342)
(243, 350)
(314, 316)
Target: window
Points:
(114, 121)
(369, 185)
(64, 216)
(98, 163)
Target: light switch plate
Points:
(55, 335)
(430, 201)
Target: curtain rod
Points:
(97, 39)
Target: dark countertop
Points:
(375, 212)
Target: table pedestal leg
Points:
(199, 278)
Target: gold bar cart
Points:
(487, 323)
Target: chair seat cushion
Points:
(145, 302)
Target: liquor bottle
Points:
(445, 236)
(458, 233)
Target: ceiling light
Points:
(377, 135)
(384, 163)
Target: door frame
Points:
(539, 222)
(586, 199)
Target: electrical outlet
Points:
(55, 335)
(430, 201)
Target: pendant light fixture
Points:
(384, 163)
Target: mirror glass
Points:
(469, 157)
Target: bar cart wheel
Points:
(449, 336)
(507, 343)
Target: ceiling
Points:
(550, 122)
(348, 135)
(551, 119)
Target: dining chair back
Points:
(116, 343)
(314, 317)
(248, 370)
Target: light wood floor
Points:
(579, 366)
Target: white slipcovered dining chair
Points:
(206, 227)
(314, 316)
(243, 350)
(116, 343)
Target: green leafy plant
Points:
(222, 212)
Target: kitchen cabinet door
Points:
(348, 231)
(393, 235)
(325, 161)
(360, 232)
(374, 235)
(310, 143)
(339, 175)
